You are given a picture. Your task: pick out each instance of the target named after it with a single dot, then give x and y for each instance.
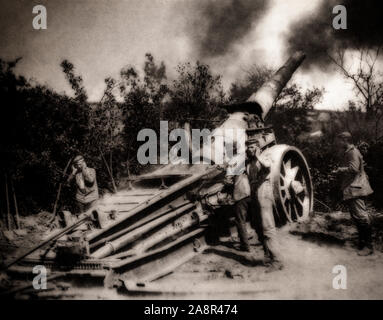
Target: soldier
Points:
(261, 191)
(355, 186)
(253, 193)
(239, 181)
(86, 184)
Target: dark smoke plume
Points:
(317, 37)
(221, 23)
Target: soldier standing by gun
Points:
(355, 186)
(253, 193)
(237, 179)
(262, 195)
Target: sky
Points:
(100, 37)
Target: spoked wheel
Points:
(291, 181)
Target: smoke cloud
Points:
(218, 25)
(317, 37)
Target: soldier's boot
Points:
(361, 242)
(367, 248)
(361, 236)
(243, 237)
(275, 265)
(361, 245)
(267, 260)
(270, 261)
(366, 251)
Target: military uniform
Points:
(237, 176)
(87, 189)
(355, 186)
(262, 193)
(253, 195)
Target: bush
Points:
(41, 130)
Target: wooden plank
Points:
(159, 176)
(17, 219)
(161, 195)
(9, 225)
(138, 192)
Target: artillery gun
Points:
(143, 232)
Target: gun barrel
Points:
(265, 96)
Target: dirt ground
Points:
(310, 251)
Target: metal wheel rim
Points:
(294, 186)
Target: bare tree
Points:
(367, 79)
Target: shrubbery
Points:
(323, 156)
(42, 130)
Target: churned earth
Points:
(310, 252)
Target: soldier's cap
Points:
(345, 135)
(256, 129)
(251, 141)
(78, 158)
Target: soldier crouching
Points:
(86, 185)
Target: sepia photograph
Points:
(197, 150)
